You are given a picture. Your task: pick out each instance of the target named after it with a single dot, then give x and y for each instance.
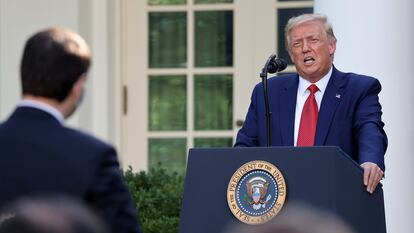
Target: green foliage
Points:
(158, 195)
(166, 2)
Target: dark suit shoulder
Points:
(283, 79)
(357, 79)
(280, 81)
(361, 84)
(83, 139)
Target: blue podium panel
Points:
(324, 177)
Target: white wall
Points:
(376, 38)
(19, 19)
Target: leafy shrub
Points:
(158, 195)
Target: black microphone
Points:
(276, 65)
(273, 65)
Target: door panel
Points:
(189, 67)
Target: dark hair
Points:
(53, 60)
(50, 214)
(298, 218)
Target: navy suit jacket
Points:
(40, 156)
(349, 116)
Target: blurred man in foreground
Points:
(40, 155)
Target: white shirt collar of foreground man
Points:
(44, 107)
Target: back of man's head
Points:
(53, 60)
(55, 214)
(298, 218)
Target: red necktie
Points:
(308, 120)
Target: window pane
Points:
(168, 153)
(213, 102)
(213, 38)
(167, 39)
(167, 2)
(213, 1)
(213, 142)
(167, 103)
(283, 16)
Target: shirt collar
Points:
(321, 84)
(44, 107)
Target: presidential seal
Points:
(256, 192)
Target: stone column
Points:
(376, 38)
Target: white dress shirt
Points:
(44, 107)
(303, 94)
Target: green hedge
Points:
(158, 195)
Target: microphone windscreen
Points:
(276, 65)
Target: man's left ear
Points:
(78, 86)
(332, 47)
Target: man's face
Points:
(311, 50)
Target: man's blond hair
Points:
(298, 20)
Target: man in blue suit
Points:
(347, 110)
(42, 157)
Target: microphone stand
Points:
(272, 65)
(268, 114)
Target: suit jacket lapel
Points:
(330, 101)
(287, 105)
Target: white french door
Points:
(187, 69)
